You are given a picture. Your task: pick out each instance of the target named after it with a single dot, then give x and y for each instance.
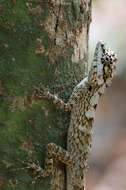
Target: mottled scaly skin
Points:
(82, 104)
(84, 100)
(79, 136)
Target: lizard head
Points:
(103, 67)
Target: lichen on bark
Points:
(41, 42)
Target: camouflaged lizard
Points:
(82, 104)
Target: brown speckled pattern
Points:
(82, 104)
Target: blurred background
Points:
(108, 155)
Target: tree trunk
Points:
(41, 42)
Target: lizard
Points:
(82, 104)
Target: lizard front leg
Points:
(44, 93)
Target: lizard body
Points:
(82, 104)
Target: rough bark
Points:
(47, 42)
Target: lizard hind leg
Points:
(60, 154)
(53, 151)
